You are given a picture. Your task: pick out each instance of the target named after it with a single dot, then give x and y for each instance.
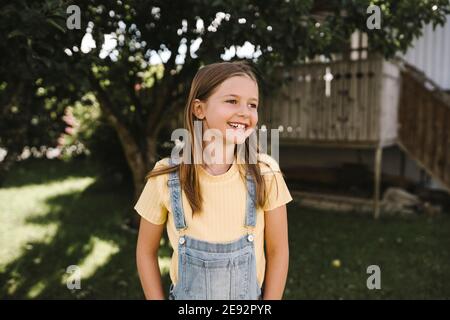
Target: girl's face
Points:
(232, 109)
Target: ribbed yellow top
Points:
(223, 213)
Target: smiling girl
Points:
(226, 219)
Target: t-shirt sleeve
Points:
(151, 204)
(277, 191)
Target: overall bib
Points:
(213, 271)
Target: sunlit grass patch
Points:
(100, 253)
(20, 206)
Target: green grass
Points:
(413, 256)
(55, 214)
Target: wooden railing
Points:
(358, 106)
(424, 125)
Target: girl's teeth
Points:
(239, 126)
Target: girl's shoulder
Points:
(158, 173)
(267, 164)
(163, 163)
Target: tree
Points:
(139, 100)
(32, 95)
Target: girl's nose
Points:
(243, 110)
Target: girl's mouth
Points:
(237, 125)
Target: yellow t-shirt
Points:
(223, 212)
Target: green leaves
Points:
(56, 25)
(15, 33)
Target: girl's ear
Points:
(198, 109)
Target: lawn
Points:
(55, 214)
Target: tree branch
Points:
(130, 147)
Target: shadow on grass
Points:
(89, 233)
(42, 171)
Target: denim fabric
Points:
(225, 271)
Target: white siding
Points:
(430, 53)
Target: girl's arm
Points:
(147, 259)
(277, 253)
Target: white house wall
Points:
(430, 53)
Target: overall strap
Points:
(176, 199)
(250, 212)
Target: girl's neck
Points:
(219, 165)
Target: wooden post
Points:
(402, 163)
(377, 178)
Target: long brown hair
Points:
(205, 82)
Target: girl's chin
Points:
(238, 139)
(236, 136)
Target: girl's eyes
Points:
(234, 101)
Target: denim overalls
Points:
(207, 270)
